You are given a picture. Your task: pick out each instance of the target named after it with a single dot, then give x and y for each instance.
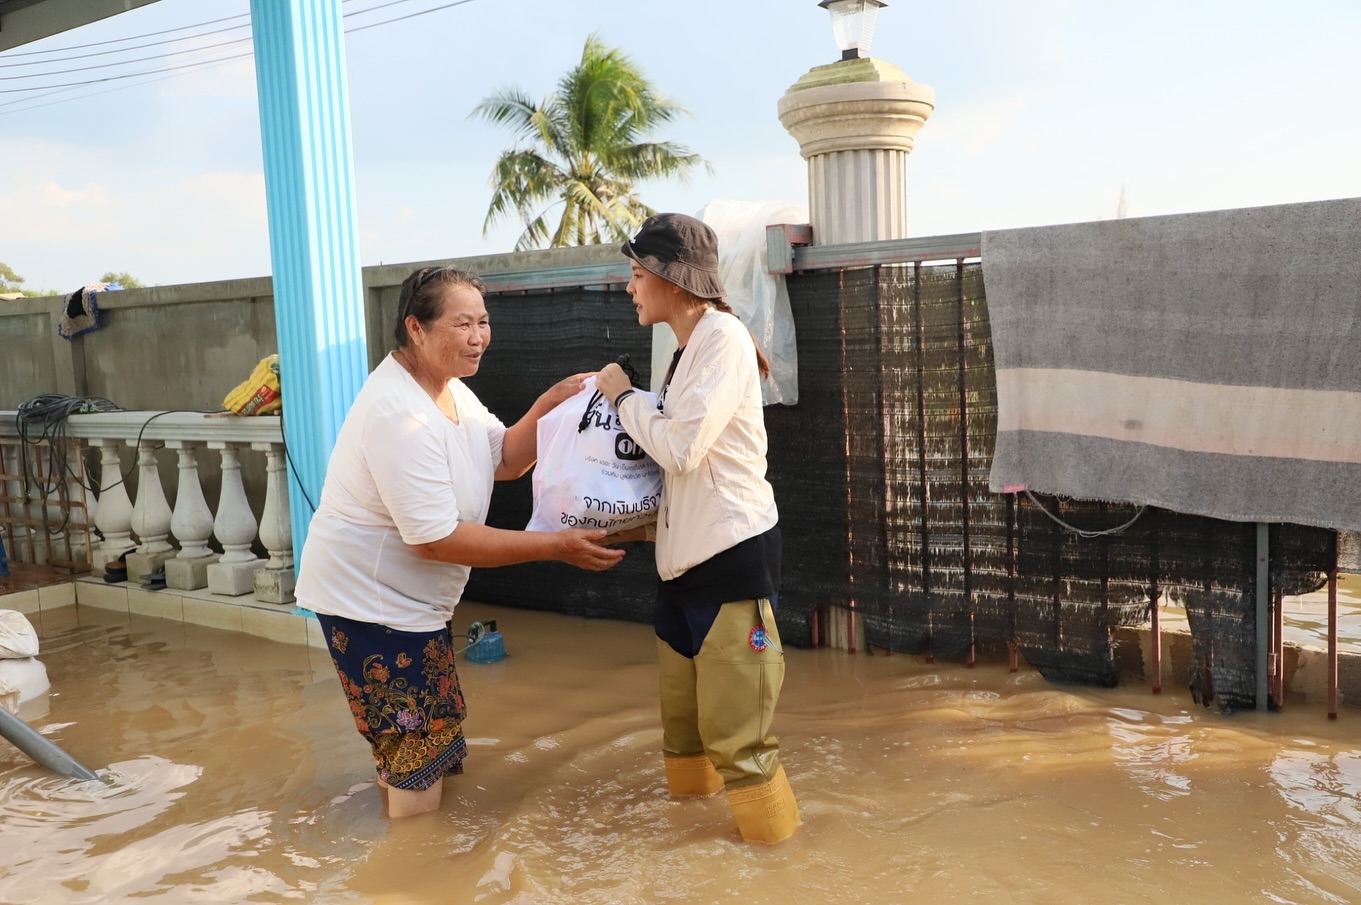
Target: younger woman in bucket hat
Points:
(717, 534)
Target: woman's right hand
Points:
(611, 381)
(581, 547)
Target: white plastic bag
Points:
(17, 637)
(590, 473)
(759, 298)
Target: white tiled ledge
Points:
(245, 614)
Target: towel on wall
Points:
(80, 313)
(1205, 363)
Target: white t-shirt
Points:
(401, 473)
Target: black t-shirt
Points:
(748, 570)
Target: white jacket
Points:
(710, 440)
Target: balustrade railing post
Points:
(44, 501)
(150, 516)
(11, 463)
(274, 583)
(79, 504)
(234, 573)
(191, 523)
(58, 507)
(113, 517)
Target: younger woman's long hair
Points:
(762, 363)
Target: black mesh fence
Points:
(881, 476)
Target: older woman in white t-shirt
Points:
(402, 521)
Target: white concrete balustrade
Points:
(176, 546)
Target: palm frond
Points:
(654, 160)
(509, 107)
(535, 234)
(584, 149)
(521, 181)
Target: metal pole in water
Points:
(1332, 640)
(1262, 620)
(35, 745)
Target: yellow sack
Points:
(259, 393)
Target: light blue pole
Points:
(313, 232)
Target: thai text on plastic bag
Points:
(591, 473)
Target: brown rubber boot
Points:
(692, 776)
(766, 812)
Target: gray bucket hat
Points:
(680, 249)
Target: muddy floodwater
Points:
(235, 775)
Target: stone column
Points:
(150, 516)
(191, 523)
(113, 517)
(234, 573)
(855, 122)
(275, 582)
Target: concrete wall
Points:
(185, 346)
(31, 362)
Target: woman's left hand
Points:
(611, 381)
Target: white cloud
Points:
(162, 227)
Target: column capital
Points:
(855, 105)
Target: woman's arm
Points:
(480, 546)
(520, 448)
(699, 405)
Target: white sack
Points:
(21, 681)
(592, 477)
(17, 637)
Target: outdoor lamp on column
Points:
(853, 25)
(856, 120)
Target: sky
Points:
(1047, 111)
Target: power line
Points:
(433, 9)
(117, 50)
(159, 56)
(49, 89)
(104, 53)
(34, 53)
(88, 94)
(128, 75)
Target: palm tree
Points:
(580, 147)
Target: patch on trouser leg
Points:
(757, 638)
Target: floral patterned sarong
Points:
(405, 698)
